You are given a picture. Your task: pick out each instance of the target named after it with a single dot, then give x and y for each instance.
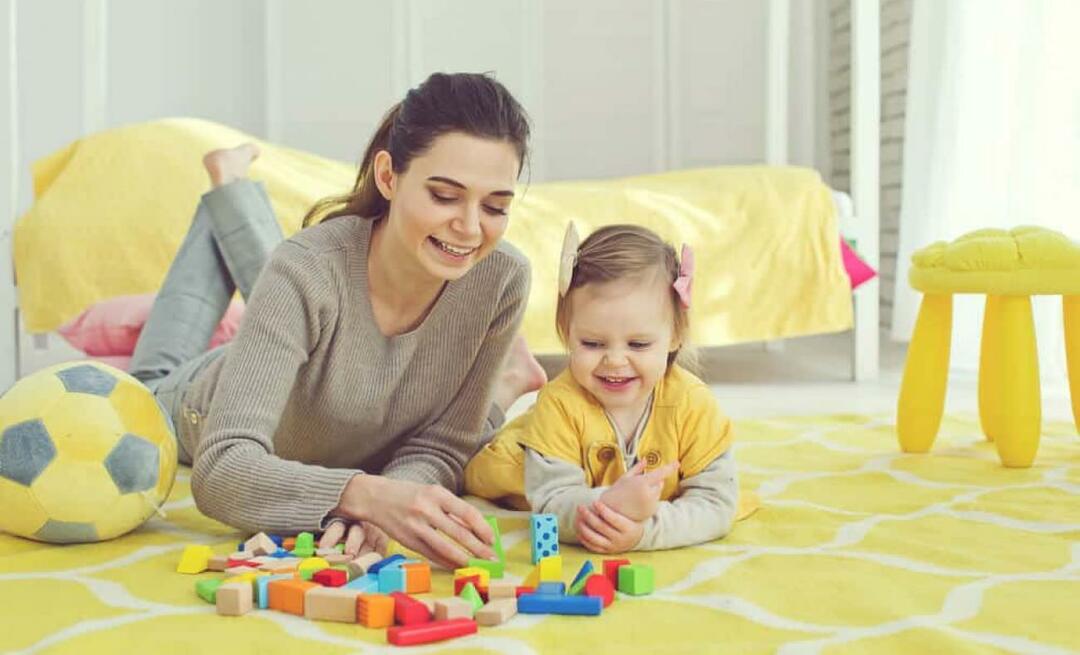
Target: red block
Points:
(611, 570)
(241, 562)
(520, 591)
(459, 583)
(330, 577)
(408, 610)
(425, 633)
(598, 585)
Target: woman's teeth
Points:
(459, 252)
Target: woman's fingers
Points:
(440, 549)
(470, 517)
(464, 523)
(354, 539)
(333, 534)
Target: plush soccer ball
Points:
(86, 453)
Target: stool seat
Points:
(1009, 266)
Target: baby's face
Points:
(620, 334)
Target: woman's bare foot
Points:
(521, 373)
(229, 164)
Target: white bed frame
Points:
(21, 352)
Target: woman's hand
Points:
(420, 517)
(359, 538)
(603, 530)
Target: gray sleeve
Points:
(704, 510)
(554, 486)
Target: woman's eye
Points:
(495, 211)
(442, 199)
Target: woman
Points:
(361, 380)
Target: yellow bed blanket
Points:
(111, 209)
(858, 549)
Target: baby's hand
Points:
(603, 530)
(636, 495)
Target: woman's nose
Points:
(468, 224)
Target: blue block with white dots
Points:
(544, 534)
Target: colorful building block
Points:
(459, 583)
(550, 568)
(579, 580)
(493, 569)
(288, 595)
(497, 612)
(426, 633)
(521, 591)
(365, 584)
(260, 544)
(533, 578)
(408, 610)
(194, 559)
(544, 535)
(233, 599)
(538, 604)
(239, 570)
(337, 558)
(551, 589)
(262, 593)
(207, 589)
(498, 590)
(396, 558)
(218, 563)
(611, 570)
(391, 578)
(375, 610)
(417, 577)
(453, 608)
(330, 577)
(470, 594)
(288, 543)
(496, 545)
(471, 571)
(305, 545)
(331, 604)
(600, 587)
(359, 566)
(636, 579)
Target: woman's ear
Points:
(385, 179)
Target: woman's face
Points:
(448, 210)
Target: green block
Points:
(636, 579)
(494, 569)
(469, 593)
(497, 546)
(578, 586)
(207, 589)
(305, 540)
(340, 547)
(307, 574)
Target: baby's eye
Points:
(590, 344)
(640, 345)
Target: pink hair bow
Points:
(685, 282)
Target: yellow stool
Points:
(1009, 267)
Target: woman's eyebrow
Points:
(455, 183)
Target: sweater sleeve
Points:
(438, 454)
(555, 486)
(704, 510)
(237, 478)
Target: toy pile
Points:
(291, 575)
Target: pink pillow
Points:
(858, 270)
(111, 327)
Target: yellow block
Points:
(195, 559)
(485, 575)
(312, 563)
(550, 568)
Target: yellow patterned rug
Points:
(859, 549)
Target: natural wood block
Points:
(234, 599)
(453, 608)
(331, 604)
(497, 612)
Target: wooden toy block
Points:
(194, 559)
(308, 566)
(533, 578)
(359, 566)
(453, 608)
(417, 577)
(544, 535)
(337, 558)
(469, 593)
(249, 577)
(459, 583)
(551, 589)
(636, 579)
(550, 568)
(426, 633)
(288, 543)
(276, 564)
(391, 578)
(207, 589)
(365, 584)
(577, 605)
(378, 566)
(287, 595)
(493, 569)
(260, 544)
(611, 570)
(498, 590)
(600, 587)
(218, 563)
(330, 577)
(375, 610)
(331, 604)
(262, 591)
(234, 599)
(239, 570)
(497, 612)
(521, 591)
(471, 571)
(497, 545)
(579, 580)
(408, 610)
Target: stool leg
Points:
(1017, 421)
(1071, 307)
(926, 371)
(991, 371)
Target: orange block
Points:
(417, 578)
(375, 610)
(288, 595)
(288, 543)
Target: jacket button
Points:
(652, 458)
(606, 454)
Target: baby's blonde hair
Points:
(618, 251)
